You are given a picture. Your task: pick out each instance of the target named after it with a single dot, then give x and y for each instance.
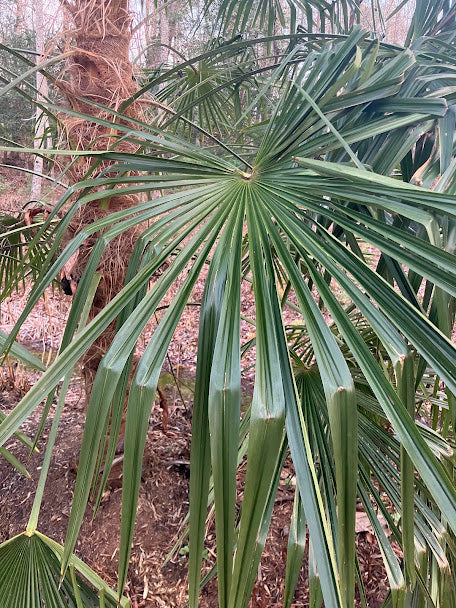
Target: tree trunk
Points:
(164, 36)
(41, 120)
(19, 18)
(151, 29)
(99, 71)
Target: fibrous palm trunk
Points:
(99, 72)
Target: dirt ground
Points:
(163, 501)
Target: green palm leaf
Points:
(30, 576)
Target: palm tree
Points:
(348, 143)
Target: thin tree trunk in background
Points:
(151, 28)
(164, 35)
(160, 29)
(41, 123)
(173, 24)
(19, 20)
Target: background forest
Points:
(244, 213)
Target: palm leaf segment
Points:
(300, 212)
(265, 14)
(21, 254)
(30, 576)
(209, 90)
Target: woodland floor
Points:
(163, 501)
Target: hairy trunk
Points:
(98, 72)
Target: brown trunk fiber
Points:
(99, 71)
